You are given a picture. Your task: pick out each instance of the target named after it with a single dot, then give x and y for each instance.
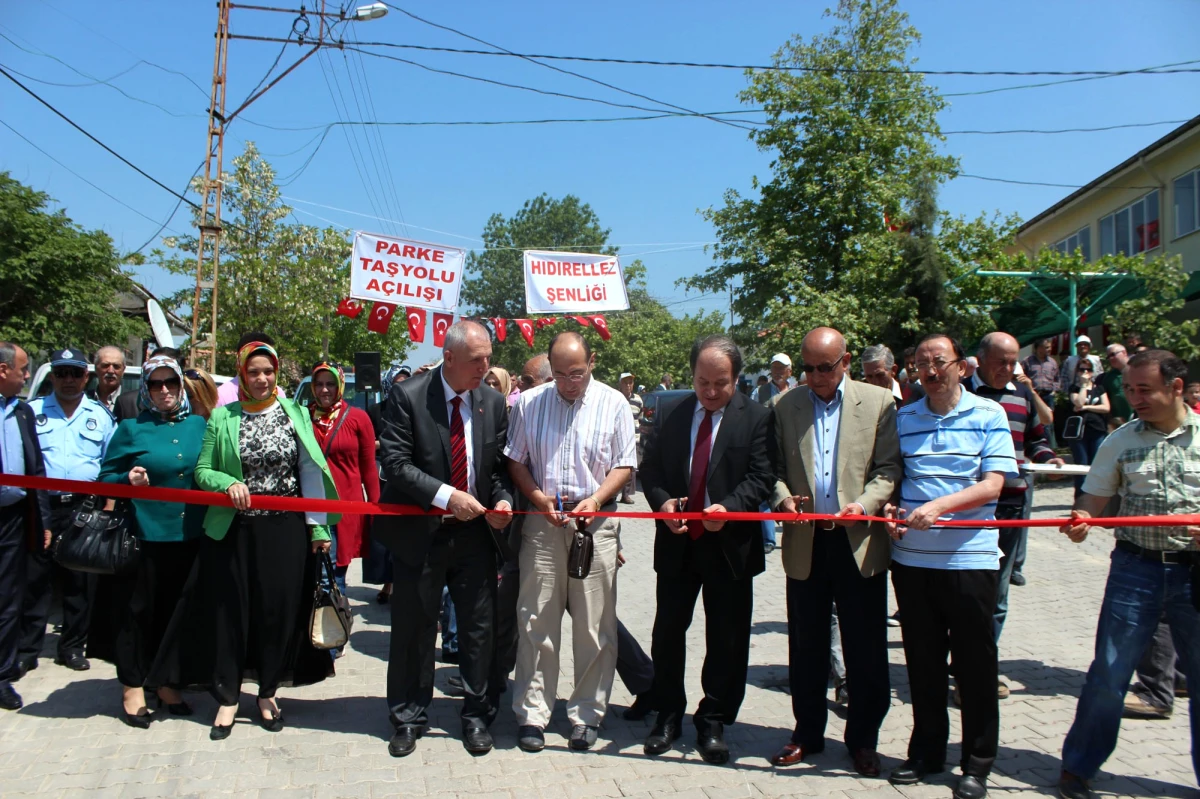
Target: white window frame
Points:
(1111, 249)
(1194, 174)
(1084, 234)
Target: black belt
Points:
(1180, 557)
(66, 499)
(827, 524)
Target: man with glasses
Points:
(835, 442)
(73, 433)
(957, 451)
(570, 448)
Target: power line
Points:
(1049, 185)
(1179, 67)
(552, 67)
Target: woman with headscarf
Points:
(500, 380)
(347, 438)
(131, 613)
(377, 562)
(256, 569)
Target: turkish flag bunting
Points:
(526, 328)
(416, 324)
(441, 323)
(381, 317)
(546, 321)
(601, 325)
(586, 321)
(501, 325)
(350, 308)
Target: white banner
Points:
(406, 272)
(571, 282)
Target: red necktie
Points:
(458, 447)
(699, 481)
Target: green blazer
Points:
(220, 466)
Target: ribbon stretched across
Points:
(300, 504)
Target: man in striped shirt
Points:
(958, 451)
(998, 354)
(571, 447)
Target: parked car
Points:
(304, 396)
(652, 402)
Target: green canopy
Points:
(1030, 317)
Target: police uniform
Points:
(72, 449)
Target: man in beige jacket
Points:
(836, 452)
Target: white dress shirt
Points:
(442, 498)
(697, 418)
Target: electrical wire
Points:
(1049, 185)
(557, 69)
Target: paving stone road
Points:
(67, 741)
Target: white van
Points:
(40, 385)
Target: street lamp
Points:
(373, 11)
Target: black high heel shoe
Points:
(219, 732)
(272, 723)
(139, 721)
(180, 708)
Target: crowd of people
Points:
(518, 475)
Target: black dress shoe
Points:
(219, 732)
(530, 738)
(642, 706)
(582, 737)
(1072, 787)
(454, 685)
(404, 741)
(140, 721)
(25, 666)
(477, 740)
(970, 787)
(1017, 579)
(910, 772)
(73, 661)
(665, 732)
(711, 744)
(9, 698)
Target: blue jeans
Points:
(768, 527)
(449, 623)
(1137, 594)
(1009, 538)
(339, 572)
(1083, 452)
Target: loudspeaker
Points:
(366, 371)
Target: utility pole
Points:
(208, 251)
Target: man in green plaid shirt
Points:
(1153, 464)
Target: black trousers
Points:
(12, 584)
(132, 613)
(256, 587)
(728, 608)
(862, 617)
(949, 612)
(41, 572)
(462, 557)
(634, 666)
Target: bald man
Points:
(836, 452)
(536, 372)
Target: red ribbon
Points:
(301, 504)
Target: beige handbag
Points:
(329, 627)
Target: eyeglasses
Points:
(1081, 369)
(824, 368)
(191, 374)
(935, 366)
(68, 372)
(157, 385)
(570, 378)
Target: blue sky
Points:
(646, 180)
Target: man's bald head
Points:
(825, 358)
(571, 362)
(825, 341)
(997, 357)
(536, 372)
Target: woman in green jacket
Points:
(256, 569)
(132, 612)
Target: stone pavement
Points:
(67, 741)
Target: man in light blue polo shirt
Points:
(957, 450)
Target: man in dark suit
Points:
(709, 454)
(441, 446)
(20, 518)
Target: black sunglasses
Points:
(824, 368)
(156, 385)
(191, 374)
(64, 372)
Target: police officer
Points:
(73, 433)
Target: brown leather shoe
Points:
(790, 755)
(866, 762)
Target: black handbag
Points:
(98, 541)
(579, 558)
(331, 621)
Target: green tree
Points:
(1149, 315)
(59, 284)
(647, 339)
(853, 133)
(284, 279)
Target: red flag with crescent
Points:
(416, 324)
(501, 325)
(586, 321)
(381, 317)
(441, 323)
(349, 308)
(526, 328)
(546, 321)
(601, 325)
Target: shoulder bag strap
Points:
(333, 433)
